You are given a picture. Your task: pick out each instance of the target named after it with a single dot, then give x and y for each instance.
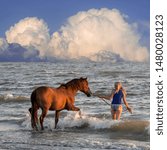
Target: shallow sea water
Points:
(96, 129)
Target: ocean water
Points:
(95, 129)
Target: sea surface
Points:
(95, 129)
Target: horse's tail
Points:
(34, 110)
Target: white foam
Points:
(8, 96)
(147, 129)
(27, 122)
(74, 120)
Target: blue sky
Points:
(55, 12)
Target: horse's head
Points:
(84, 87)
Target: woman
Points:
(116, 105)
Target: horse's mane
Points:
(73, 84)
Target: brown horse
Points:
(49, 98)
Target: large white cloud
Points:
(89, 32)
(30, 32)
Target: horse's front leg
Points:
(74, 108)
(57, 113)
(79, 111)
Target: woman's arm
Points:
(109, 97)
(126, 103)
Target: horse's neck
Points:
(73, 91)
(71, 87)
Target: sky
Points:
(55, 18)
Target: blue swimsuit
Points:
(117, 100)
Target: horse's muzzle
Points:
(89, 93)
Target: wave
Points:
(11, 97)
(88, 123)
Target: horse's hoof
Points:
(35, 129)
(56, 127)
(79, 113)
(42, 128)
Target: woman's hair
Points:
(121, 87)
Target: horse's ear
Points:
(83, 78)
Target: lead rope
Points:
(101, 98)
(105, 101)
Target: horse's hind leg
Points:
(57, 113)
(32, 123)
(43, 115)
(34, 117)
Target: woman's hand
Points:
(129, 109)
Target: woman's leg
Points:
(113, 113)
(119, 112)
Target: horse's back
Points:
(49, 98)
(42, 96)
